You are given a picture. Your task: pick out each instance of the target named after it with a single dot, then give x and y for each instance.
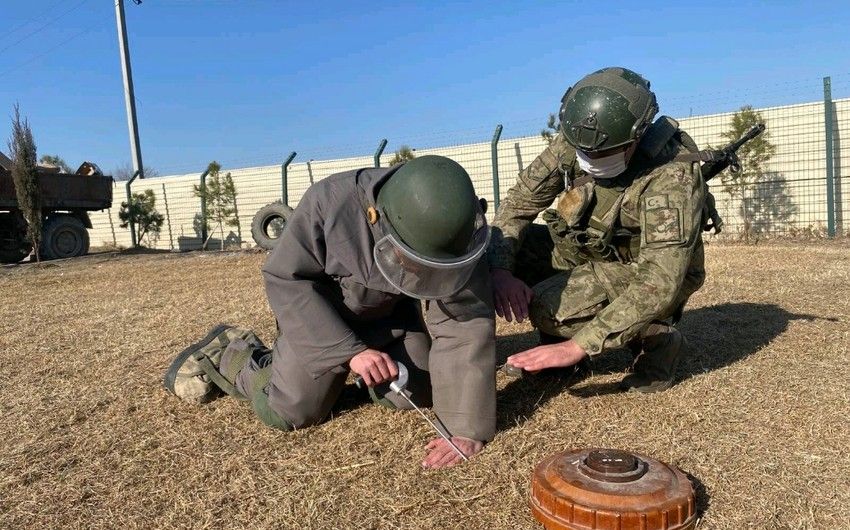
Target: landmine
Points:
(596, 489)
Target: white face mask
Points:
(606, 167)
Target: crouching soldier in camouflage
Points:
(622, 250)
(345, 283)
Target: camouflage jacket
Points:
(662, 208)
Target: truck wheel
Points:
(63, 236)
(268, 224)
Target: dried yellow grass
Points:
(91, 440)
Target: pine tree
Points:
(402, 155)
(753, 155)
(142, 211)
(219, 196)
(25, 177)
(551, 130)
(57, 161)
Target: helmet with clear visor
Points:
(433, 227)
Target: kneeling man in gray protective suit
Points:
(345, 283)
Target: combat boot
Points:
(655, 368)
(199, 375)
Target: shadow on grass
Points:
(521, 397)
(717, 336)
(350, 399)
(703, 499)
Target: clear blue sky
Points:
(245, 82)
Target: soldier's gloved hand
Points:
(440, 454)
(375, 367)
(558, 355)
(510, 295)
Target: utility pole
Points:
(130, 99)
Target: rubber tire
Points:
(65, 227)
(263, 218)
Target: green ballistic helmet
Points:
(608, 109)
(434, 229)
(430, 205)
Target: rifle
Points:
(715, 161)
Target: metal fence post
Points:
(129, 204)
(830, 170)
(494, 157)
(379, 152)
(203, 186)
(284, 185)
(167, 217)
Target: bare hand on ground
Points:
(510, 295)
(548, 356)
(375, 367)
(440, 454)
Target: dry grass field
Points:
(90, 439)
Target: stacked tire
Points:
(268, 224)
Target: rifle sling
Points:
(580, 180)
(707, 155)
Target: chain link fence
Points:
(802, 192)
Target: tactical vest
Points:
(584, 226)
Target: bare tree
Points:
(125, 172)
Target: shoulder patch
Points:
(656, 201)
(663, 225)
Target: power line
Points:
(45, 52)
(31, 19)
(43, 26)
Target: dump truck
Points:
(66, 200)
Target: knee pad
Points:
(260, 402)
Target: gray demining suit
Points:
(331, 302)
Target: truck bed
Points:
(62, 191)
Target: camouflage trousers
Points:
(566, 297)
(285, 395)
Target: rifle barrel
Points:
(712, 169)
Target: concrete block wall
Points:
(794, 198)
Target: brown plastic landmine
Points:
(608, 489)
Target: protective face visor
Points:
(424, 277)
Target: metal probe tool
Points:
(398, 387)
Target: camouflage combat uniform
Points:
(617, 254)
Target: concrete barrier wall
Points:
(791, 200)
